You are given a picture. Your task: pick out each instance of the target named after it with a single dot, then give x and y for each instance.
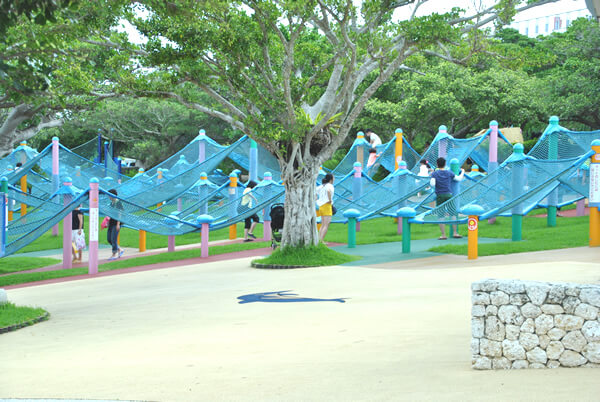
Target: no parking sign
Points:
(472, 224)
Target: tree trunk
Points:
(300, 224)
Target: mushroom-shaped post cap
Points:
(472, 209)
(454, 161)
(554, 120)
(182, 157)
(77, 167)
(160, 170)
(4, 184)
(493, 123)
(398, 131)
(203, 175)
(596, 143)
(23, 143)
(351, 213)
(406, 212)
(54, 138)
(442, 128)
(474, 168)
(106, 142)
(233, 174)
(360, 134)
(94, 180)
(204, 219)
(237, 171)
(9, 167)
(402, 165)
(518, 148)
(268, 176)
(202, 132)
(68, 181)
(3, 178)
(141, 170)
(357, 164)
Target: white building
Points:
(553, 17)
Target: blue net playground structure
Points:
(168, 198)
(515, 188)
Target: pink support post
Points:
(171, 246)
(493, 154)
(580, 208)
(94, 216)
(267, 213)
(67, 230)
(204, 241)
(55, 175)
(399, 225)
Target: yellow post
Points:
(472, 237)
(10, 215)
(398, 149)
(594, 200)
(232, 195)
(24, 189)
(142, 241)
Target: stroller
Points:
(277, 216)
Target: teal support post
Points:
(552, 155)
(406, 212)
(351, 215)
(3, 214)
(518, 183)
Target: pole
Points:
(267, 211)
(142, 247)
(359, 149)
(594, 200)
(55, 175)
(253, 157)
(352, 216)
(94, 216)
(552, 155)
(398, 147)
(3, 214)
(99, 157)
(406, 212)
(357, 187)
(201, 146)
(67, 229)
(232, 209)
(205, 221)
(24, 190)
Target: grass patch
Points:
(27, 277)
(12, 315)
(312, 256)
(537, 236)
(16, 264)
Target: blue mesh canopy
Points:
(388, 154)
(516, 187)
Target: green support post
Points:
(407, 213)
(351, 215)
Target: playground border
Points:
(10, 328)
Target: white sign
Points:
(472, 224)
(595, 183)
(93, 224)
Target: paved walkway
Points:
(390, 331)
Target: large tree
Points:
(295, 74)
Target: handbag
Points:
(80, 241)
(104, 223)
(333, 210)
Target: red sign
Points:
(472, 224)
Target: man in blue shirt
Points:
(441, 180)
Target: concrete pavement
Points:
(179, 334)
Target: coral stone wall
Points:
(520, 324)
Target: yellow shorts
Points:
(325, 210)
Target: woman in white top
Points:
(372, 138)
(325, 203)
(246, 204)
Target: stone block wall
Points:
(520, 324)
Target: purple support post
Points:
(94, 214)
(580, 208)
(267, 213)
(55, 175)
(493, 154)
(171, 246)
(67, 227)
(442, 142)
(202, 146)
(205, 221)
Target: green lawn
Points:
(15, 315)
(314, 256)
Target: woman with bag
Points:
(114, 226)
(77, 234)
(325, 203)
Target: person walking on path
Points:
(246, 204)
(114, 226)
(77, 234)
(441, 181)
(325, 203)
